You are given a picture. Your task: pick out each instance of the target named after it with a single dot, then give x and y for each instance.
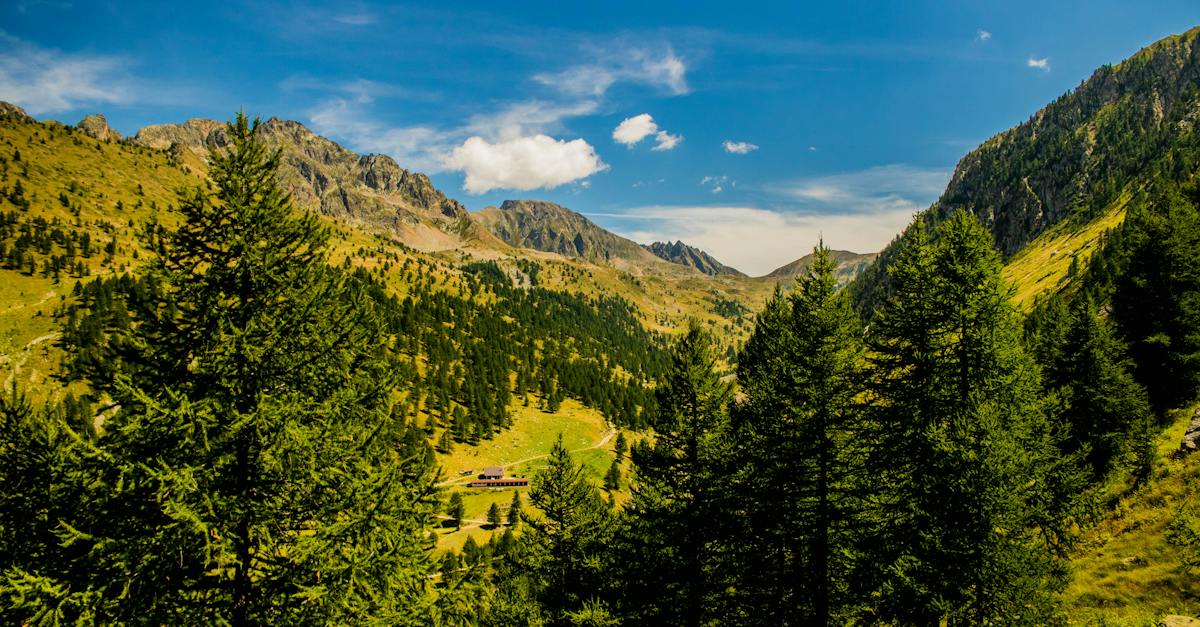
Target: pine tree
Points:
(568, 537)
(620, 446)
(456, 510)
(673, 518)
(250, 472)
(514, 510)
(493, 515)
(612, 478)
(802, 377)
(962, 450)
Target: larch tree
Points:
(673, 522)
(799, 456)
(963, 453)
(248, 470)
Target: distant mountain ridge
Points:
(849, 265)
(680, 253)
(322, 175)
(549, 227)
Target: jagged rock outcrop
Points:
(680, 253)
(96, 126)
(10, 111)
(553, 228)
(849, 265)
(1191, 437)
(323, 176)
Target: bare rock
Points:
(96, 126)
(10, 111)
(1191, 437)
(1175, 620)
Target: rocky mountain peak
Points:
(683, 254)
(10, 111)
(96, 126)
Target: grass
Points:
(523, 449)
(1044, 264)
(1125, 572)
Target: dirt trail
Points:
(17, 364)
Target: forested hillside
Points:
(1085, 154)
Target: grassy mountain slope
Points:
(1125, 570)
(1124, 127)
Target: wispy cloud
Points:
(666, 141)
(738, 148)
(1042, 64)
(613, 63)
(879, 188)
(45, 80)
(983, 35)
(355, 19)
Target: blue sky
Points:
(747, 130)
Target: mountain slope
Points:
(323, 176)
(849, 265)
(553, 228)
(690, 256)
(1124, 127)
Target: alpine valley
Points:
(243, 362)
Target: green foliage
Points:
(456, 510)
(493, 515)
(250, 470)
(800, 464)
(963, 453)
(671, 570)
(567, 539)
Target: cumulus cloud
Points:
(633, 130)
(44, 80)
(739, 148)
(983, 35)
(661, 68)
(1042, 64)
(523, 163)
(666, 141)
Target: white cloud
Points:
(874, 189)
(1042, 64)
(45, 80)
(621, 63)
(523, 163)
(983, 35)
(633, 130)
(739, 148)
(355, 19)
(756, 240)
(666, 141)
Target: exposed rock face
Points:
(9, 111)
(323, 176)
(849, 265)
(96, 126)
(1191, 437)
(693, 257)
(552, 228)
